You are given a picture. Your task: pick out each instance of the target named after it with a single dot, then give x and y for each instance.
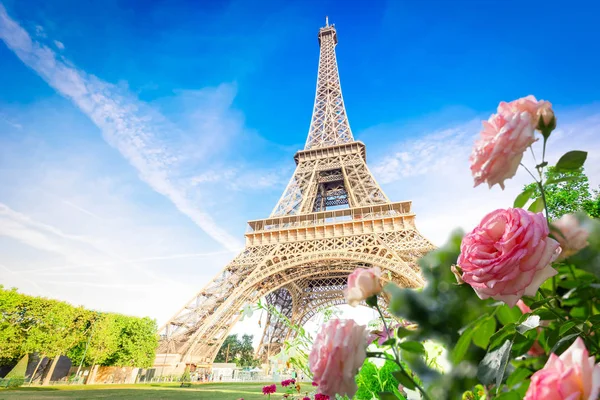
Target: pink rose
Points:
(505, 137)
(572, 376)
(571, 236)
(508, 255)
(362, 284)
(497, 154)
(336, 356)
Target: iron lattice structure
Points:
(332, 218)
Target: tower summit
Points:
(329, 124)
(331, 219)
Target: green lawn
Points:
(224, 391)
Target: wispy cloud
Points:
(127, 124)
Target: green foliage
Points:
(372, 381)
(238, 351)
(31, 324)
(136, 344)
(11, 330)
(567, 191)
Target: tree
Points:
(102, 340)
(136, 344)
(11, 331)
(570, 193)
(53, 328)
(229, 350)
(246, 354)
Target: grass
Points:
(209, 391)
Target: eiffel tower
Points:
(332, 218)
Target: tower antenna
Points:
(327, 21)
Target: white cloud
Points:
(59, 45)
(127, 124)
(433, 171)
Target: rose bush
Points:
(515, 256)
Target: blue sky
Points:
(138, 137)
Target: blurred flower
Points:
(362, 284)
(572, 376)
(571, 235)
(338, 352)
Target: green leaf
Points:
(389, 342)
(413, 347)
(459, 351)
(372, 301)
(537, 206)
(522, 344)
(508, 396)
(573, 160)
(552, 181)
(532, 322)
(499, 337)
(507, 315)
(483, 333)
(402, 332)
(522, 198)
(565, 328)
(538, 303)
(545, 314)
(387, 396)
(404, 379)
(493, 366)
(562, 341)
(519, 375)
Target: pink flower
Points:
(306, 398)
(571, 236)
(505, 137)
(269, 389)
(572, 376)
(315, 384)
(320, 396)
(497, 154)
(508, 255)
(362, 284)
(338, 352)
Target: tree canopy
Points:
(31, 324)
(238, 351)
(569, 193)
